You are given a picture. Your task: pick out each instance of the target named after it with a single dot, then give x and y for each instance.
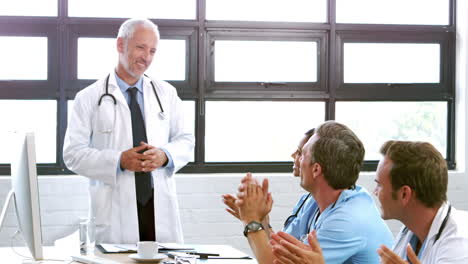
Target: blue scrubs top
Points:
(349, 231)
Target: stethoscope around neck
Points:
(162, 114)
(296, 213)
(441, 228)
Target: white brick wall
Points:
(64, 201)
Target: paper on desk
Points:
(224, 251)
(131, 248)
(174, 246)
(118, 248)
(212, 252)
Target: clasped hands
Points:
(289, 250)
(145, 158)
(253, 202)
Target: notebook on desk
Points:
(214, 252)
(116, 248)
(203, 251)
(131, 248)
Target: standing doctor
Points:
(104, 143)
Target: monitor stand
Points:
(10, 195)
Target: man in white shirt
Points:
(412, 188)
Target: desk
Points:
(7, 255)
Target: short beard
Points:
(125, 64)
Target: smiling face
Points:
(136, 54)
(297, 156)
(307, 167)
(389, 203)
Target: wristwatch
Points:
(253, 226)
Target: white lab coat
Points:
(452, 245)
(94, 141)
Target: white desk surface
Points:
(8, 255)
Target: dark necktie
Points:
(143, 186)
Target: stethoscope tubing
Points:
(162, 114)
(441, 228)
(295, 214)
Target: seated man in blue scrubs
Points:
(344, 216)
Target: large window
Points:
(97, 55)
(253, 75)
(436, 12)
(15, 51)
(168, 9)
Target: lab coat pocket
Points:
(105, 117)
(157, 130)
(104, 123)
(165, 126)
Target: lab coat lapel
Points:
(155, 126)
(128, 221)
(115, 91)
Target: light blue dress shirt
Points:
(139, 85)
(349, 231)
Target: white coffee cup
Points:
(147, 249)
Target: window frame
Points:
(33, 89)
(396, 91)
(184, 88)
(245, 89)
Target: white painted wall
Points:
(64, 200)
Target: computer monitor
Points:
(25, 194)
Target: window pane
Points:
(28, 8)
(267, 10)
(257, 131)
(391, 63)
(189, 115)
(265, 61)
(98, 56)
(23, 58)
(377, 122)
(168, 9)
(38, 116)
(436, 12)
(170, 60)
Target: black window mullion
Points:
(200, 116)
(64, 75)
(333, 64)
(450, 156)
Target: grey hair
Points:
(128, 27)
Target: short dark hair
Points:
(340, 154)
(310, 132)
(420, 166)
